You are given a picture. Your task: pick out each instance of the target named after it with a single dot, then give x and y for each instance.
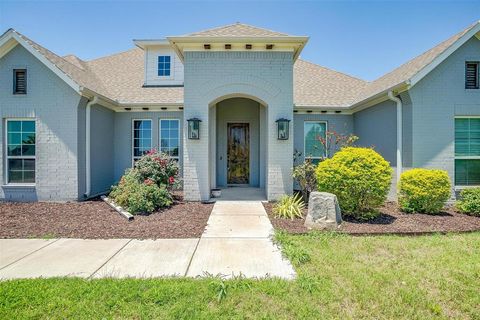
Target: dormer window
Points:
(164, 66)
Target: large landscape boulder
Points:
(323, 211)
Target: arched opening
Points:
(238, 142)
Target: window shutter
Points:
(471, 75)
(20, 81)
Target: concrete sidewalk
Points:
(236, 241)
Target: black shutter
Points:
(19, 81)
(471, 75)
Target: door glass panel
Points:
(238, 153)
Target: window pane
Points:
(28, 150)
(28, 126)
(29, 177)
(313, 131)
(14, 150)
(467, 137)
(467, 172)
(14, 138)
(15, 126)
(29, 164)
(15, 164)
(28, 138)
(15, 176)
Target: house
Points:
(231, 104)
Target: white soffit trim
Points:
(474, 31)
(12, 35)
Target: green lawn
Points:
(339, 276)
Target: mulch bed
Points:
(96, 220)
(391, 221)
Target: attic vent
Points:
(20, 81)
(248, 46)
(269, 46)
(228, 46)
(471, 75)
(206, 46)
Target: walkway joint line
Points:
(90, 276)
(191, 258)
(29, 254)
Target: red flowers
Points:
(171, 180)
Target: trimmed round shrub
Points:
(160, 168)
(469, 202)
(137, 196)
(423, 190)
(359, 177)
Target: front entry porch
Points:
(242, 194)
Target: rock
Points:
(323, 211)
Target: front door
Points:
(238, 153)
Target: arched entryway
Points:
(238, 145)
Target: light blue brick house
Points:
(231, 105)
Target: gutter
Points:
(398, 101)
(88, 173)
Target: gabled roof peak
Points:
(237, 29)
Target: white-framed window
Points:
(313, 131)
(21, 145)
(467, 151)
(169, 130)
(164, 66)
(142, 138)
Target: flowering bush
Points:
(158, 168)
(138, 195)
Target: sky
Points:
(363, 39)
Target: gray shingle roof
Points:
(120, 77)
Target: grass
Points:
(339, 276)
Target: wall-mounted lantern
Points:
(194, 128)
(283, 128)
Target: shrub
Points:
(423, 190)
(159, 168)
(304, 174)
(469, 202)
(289, 207)
(359, 177)
(138, 196)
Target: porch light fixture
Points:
(283, 128)
(194, 128)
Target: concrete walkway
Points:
(235, 242)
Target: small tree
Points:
(336, 141)
(305, 176)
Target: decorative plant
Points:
(139, 196)
(423, 190)
(289, 207)
(359, 177)
(159, 168)
(336, 141)
(305, 176)
(469, 202)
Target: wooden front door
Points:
(238, 153)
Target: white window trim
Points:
(460, 186)
(160, 136)
(133, 138)
(305, 157)
(172, 64)
(7, 157)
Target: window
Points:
(467, 151)
(170, 137)
(19, 81)
(471, 75)
(142, 138)
(313, 131)
(20, 151)
(164, 66)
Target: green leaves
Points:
(289, 207)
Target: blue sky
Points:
(364, 39)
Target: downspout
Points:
(87, 146)
(397, 100)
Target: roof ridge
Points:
(336, 71)
(211, 29)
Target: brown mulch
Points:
(391, 220)
(96, 220)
